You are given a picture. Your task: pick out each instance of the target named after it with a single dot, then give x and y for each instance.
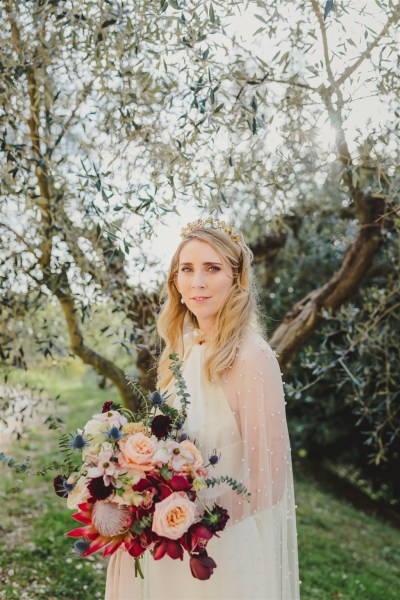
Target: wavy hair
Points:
(239, 311)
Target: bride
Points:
(237, 418)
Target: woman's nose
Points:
(198, 280)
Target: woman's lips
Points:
(199, 301)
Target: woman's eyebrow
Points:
(185, 264)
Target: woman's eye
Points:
(212, 267)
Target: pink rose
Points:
(174, 515)
(137, 452)
(189, 447)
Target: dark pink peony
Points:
(161, 426)
(98, 489)
(216, 521)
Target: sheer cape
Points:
(241, 417)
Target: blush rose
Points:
(137, 452)
(174, 515)
(195, 452)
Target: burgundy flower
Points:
(217, 520)
(202, 565)
(166, 546)
(61, 487)
(150, 481)
(161, 426)
(140, 543)
(196, 538)
(179, 483)
(155, 486)
(107, 406)
(98, 490)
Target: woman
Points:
(237, 413)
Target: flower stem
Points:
(138, 568)
(203, 506)
(126, 410)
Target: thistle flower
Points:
(80, 547)
(114, 434)
(214, 458)
(156, 398)
(78, 442)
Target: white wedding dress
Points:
(243, 418)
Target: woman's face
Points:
(203, 274)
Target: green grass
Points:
(344, 554)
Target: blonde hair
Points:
(237, 314)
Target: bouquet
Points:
(139, 483)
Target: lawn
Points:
(344, 554)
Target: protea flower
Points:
(107, 526)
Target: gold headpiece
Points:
(211, 223)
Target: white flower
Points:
(162, 454)
(176, 454)
(91, 452)
(94, 429)
(79, 494)
(111, 417)
(107, 467)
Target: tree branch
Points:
(302, 320)
(59, 286)
(350, 70)
(21, 239)
(322, 27)
(84, 94)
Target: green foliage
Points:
(344, 390)
(140, 525)
(180, 386)
(13, 464)
(143, 413)
(67, 453)
(239, 488)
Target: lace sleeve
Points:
(253, 388)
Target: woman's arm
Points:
(254, 390)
